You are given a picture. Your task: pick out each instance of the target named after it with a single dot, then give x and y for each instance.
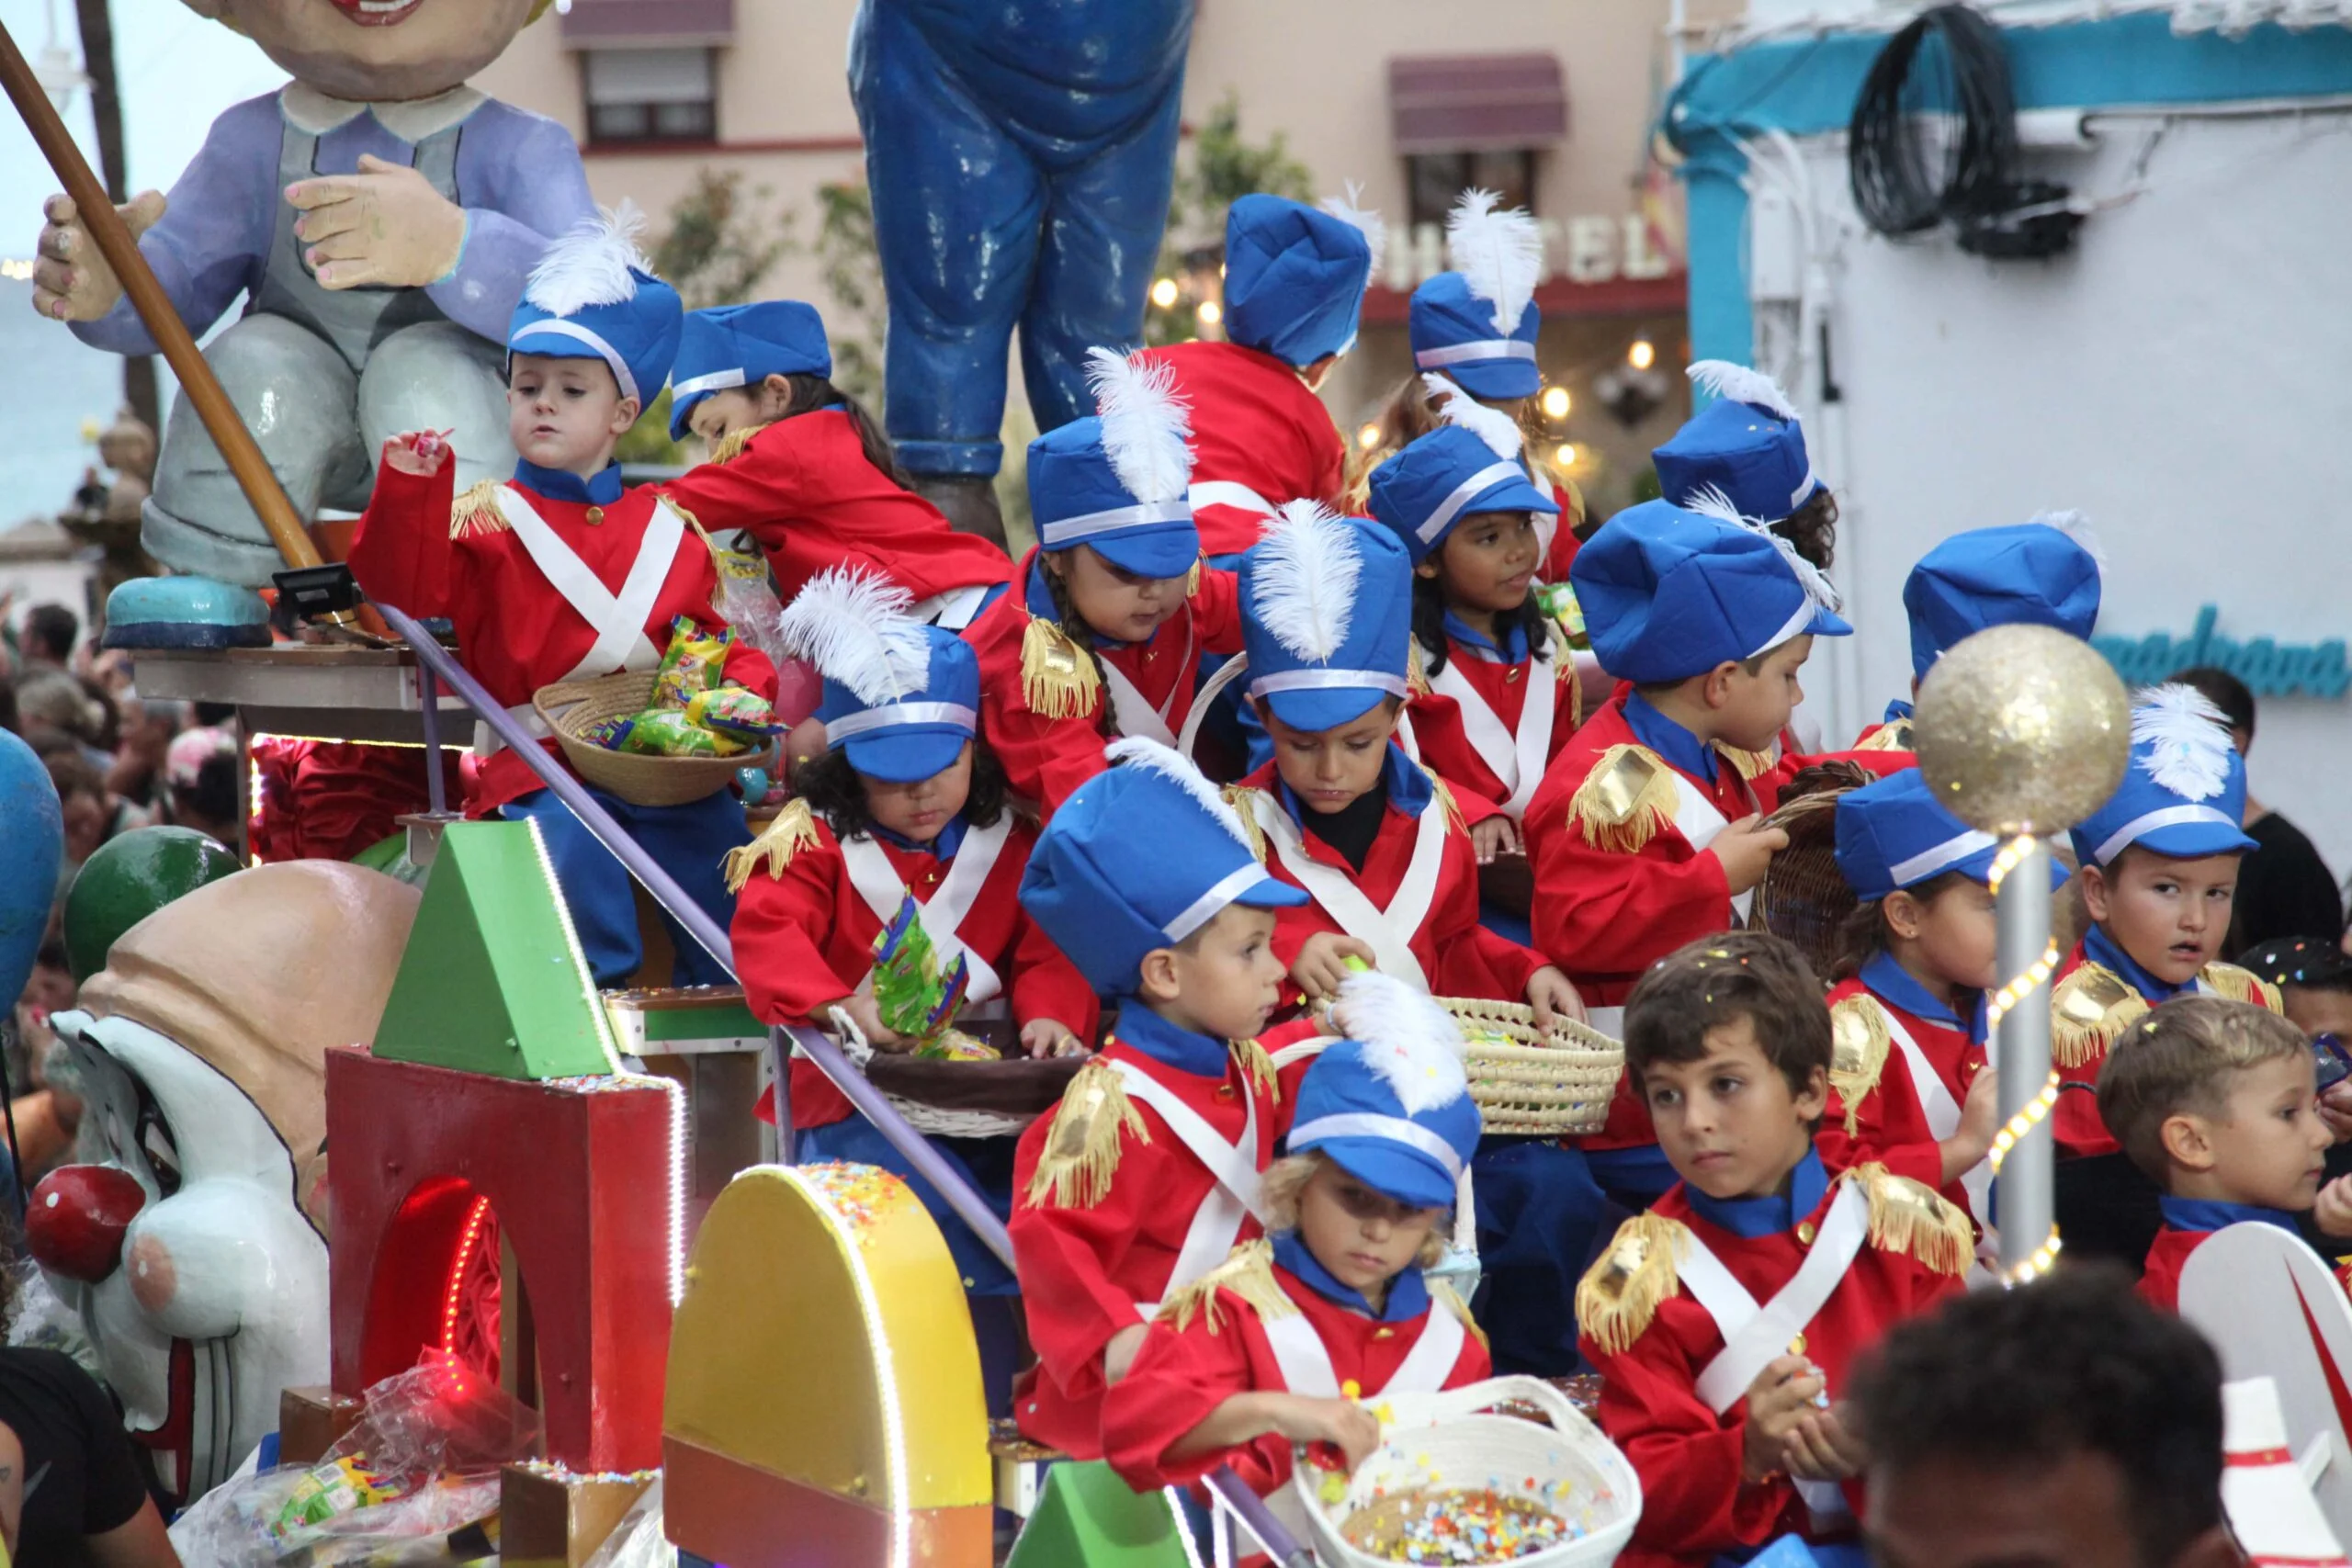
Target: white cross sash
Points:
(1698, 820)
(1941, 1110)
(1516, 760)
(1389, 931)
(878, 884)
(1138, 715)
(619, 620)
(1306, 1367)
(1216, 1223)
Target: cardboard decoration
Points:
(1086, 1514)
(2275, 1311)
(2264, 1490)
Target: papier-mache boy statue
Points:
(379, 216)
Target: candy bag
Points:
(914, 1000)
(691, 664)
(732, 711)
(606, 732)
(665, 732)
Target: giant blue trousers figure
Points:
(1021, 154)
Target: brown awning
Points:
(1462, 103)
(647, 24)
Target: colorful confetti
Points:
(859, 1195)
(1456, 1525)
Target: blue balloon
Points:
(32, 842)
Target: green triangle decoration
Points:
(491, 980)
(1086, 1515)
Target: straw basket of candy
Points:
(1551, 1083)
(662, 737)
(1455, 1482)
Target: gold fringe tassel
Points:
(1752, 765)
(1622, 1293)
(730, 445)
(1244, 801)
(1893, 735)
(2089, 1012)
(475, 513)
(1443, 1294)
(2242, 986)
(1857, 1046)
(1417, 673)
(1057, 680)
(794, 829)
(1917, 1220)
(1257, 1066)
(1623, 802)
(1444, 794)
(1081, 1151)
(1249, 1272)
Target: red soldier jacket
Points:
(1271, 1317)
(542, 584)
(1416, 900)
(1672, 1320)
(1617, 835)
(1898, 1078)
(2101, 992)
(1490, 724)
(1259, 438)
(1042, 704)
(1138, 1184)
(804, 490)
(2187, 1222)
(804, 931)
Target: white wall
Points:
(2185, 376)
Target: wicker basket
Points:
(993, 1099)
(569, 707)
(1552, 1085)
(1805, 898)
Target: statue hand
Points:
(71, 282)
(384, 226)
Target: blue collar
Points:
(1889, 979)
(1164, 1043)
(1669, 740)
(1409, 790)
(1512, 650)
(560, 484)
(2101, 948)
(943, 848)
(2211, 1214)
(1750, 1218)
(1897, 709)
(1409, 1295)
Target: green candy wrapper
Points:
(732, 711)
(913, 998)
(691, 664)
(660, 732)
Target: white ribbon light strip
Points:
(1328, 681)
(1203, 909)
(553, 327)
(1365, 1124)
(1069, 530)
(717, 381)
(2170, 817)
(900, 715)
(1466, 353)
(1943, 856)
(1462, 494)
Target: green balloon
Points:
(130, 877)
(390, 855)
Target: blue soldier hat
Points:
(2184, 794)
(742, 345)
(1120, 481)
(900, 697)
(2042, 573)
(1477, 322)
(1748, 443)
(592, 296)
(1469, 464)
(1670, 593)
(1327, 614)
(1295, 276)
(1390, 1103)
(1140, 856)
(1894, 833)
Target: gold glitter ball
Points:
(2023, 729)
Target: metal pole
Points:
(428, 691)
(1258, 1519)
(2022, 1194)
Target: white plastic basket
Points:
(1453, 1440)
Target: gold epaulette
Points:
(1193, 577)
(1416, 669)
(2242, 986)
(794, 829)
(1752, 765)
(1564, 672)
(1249, 1272)
(2090, 1007)
(1895, 735)
(1857, 1046)
(1914, 1219)
(1244, 801)
(1443, 1294)
(475, 511)
(1626, 799)
(1444, 793)
(730, 446)
(1081, 1150)
(1058, 679)
(1255, 1065)
(1623, 1290)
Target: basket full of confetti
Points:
(1454, 1482)
(666, 736)
(1551, 1083)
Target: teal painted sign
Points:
(2269, 667)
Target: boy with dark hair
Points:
(2215, 1101)
(2284, 887)
(1731, 1423)
(50, 633)
(2062, 1423)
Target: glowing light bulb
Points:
(1163, 293)
(1643, 354)
(1211, 313)
(1565, 454)
(1368, 437)
(1555, 402)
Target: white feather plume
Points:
(1144, 425)
(591, 265)
(1498, 250)
(854, 627)
(1410, 1042)
(1708, 500)
(1142, 752)
(1722, 379)
(1365, 221)
(1496, 428)
(2190, 740)
(1306, 578)
(2076, 526)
